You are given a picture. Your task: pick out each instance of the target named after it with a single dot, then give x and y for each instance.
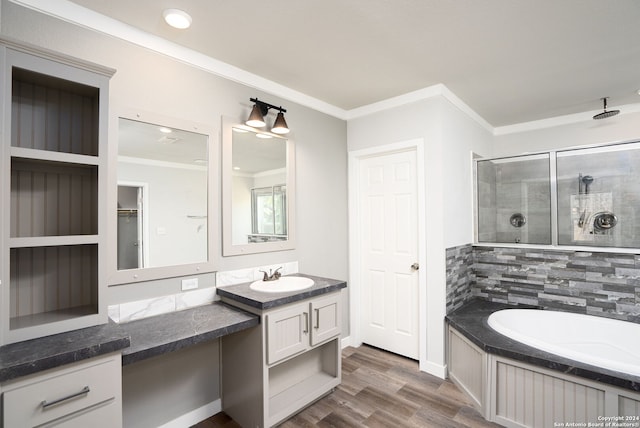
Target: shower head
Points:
(605, 114)
(587, 180)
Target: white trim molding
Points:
(87, 18)
(195, 416)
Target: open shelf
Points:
(302, 379)
(27, 321)
(52, 188)
(52, 283)
(53, 198)
(49, 113)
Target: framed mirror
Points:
(258, 190)
(163, 209)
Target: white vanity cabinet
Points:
(82, 394)
(300, 327)
(271, 372)
(53, 180)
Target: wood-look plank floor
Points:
(381, 389)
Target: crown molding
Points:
(86, 18)
(421, 94)
(552, 122)
(83, 17)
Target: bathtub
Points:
(602, 342)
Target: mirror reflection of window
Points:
(259, 202)
(268, 214)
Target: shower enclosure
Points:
(514, 200)
(576, 197)
(599, 196)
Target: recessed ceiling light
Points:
(177, 18)
(165, 130)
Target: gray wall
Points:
(155, 83)
(450, 136)
(164, 388)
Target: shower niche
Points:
(576, 197)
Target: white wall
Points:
(241, 202)
(449, 136)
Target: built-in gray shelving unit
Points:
(54, 112)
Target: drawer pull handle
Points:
(46, 404)
(306, 323)
(317, 319)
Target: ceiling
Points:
(511, 61)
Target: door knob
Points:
(415, 266)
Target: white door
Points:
(388, 207)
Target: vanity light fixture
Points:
(177, 18)
(280, 125)
(259, 111)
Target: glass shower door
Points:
(514, 200)
(599, 196)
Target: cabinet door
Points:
(287, 332)
(326, 318)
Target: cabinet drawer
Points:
(60, 393)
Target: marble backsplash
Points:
(145, 308)
(595, 283)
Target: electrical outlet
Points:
(189, 284)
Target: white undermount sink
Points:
(282, 285)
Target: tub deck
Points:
(471, 321)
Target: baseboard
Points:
(438, 370)
(345, 342)
(195, 416)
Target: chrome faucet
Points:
(271, 276)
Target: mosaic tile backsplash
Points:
(459, 276)
(604, 284)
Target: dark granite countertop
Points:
(256, 299)
(35, 355)
(137, 340)
(169, 332)
(471, 321)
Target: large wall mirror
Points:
(258, 190)
(163, 209)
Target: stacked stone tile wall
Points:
(595, 283)
(459, 276)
